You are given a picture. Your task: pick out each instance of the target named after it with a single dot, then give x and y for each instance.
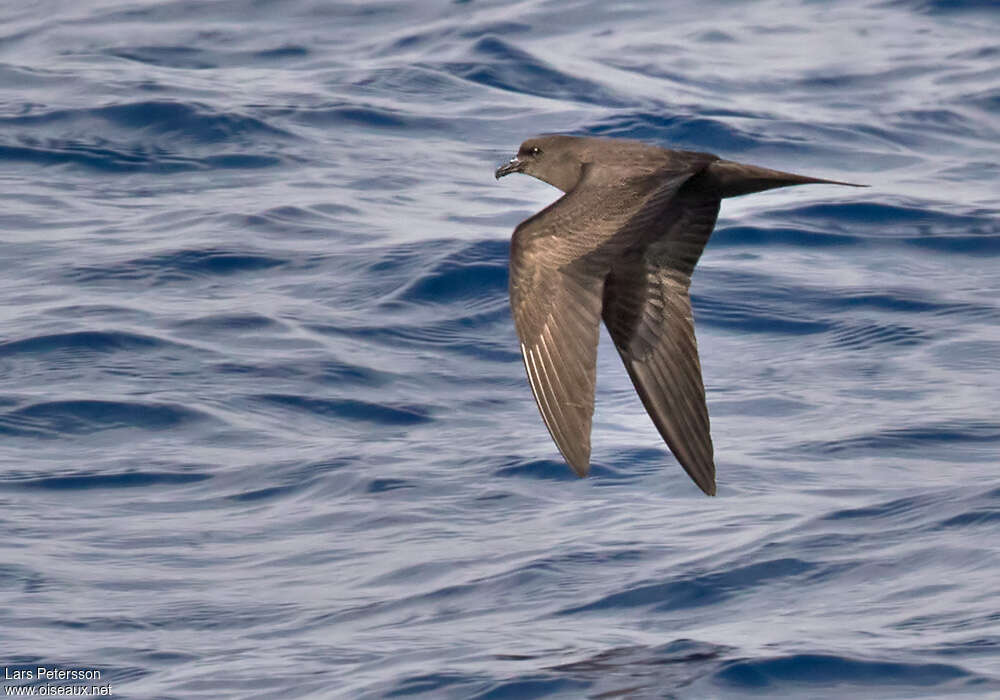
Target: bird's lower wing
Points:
(648, 313)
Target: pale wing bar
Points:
(560, 356)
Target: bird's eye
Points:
(535, 150)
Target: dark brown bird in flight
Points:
(620, 245)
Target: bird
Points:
(620, 245)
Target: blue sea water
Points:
(264, 428)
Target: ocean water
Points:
(264, 429)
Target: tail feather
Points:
(735, 179)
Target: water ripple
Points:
(53, 419)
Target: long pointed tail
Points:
(734, 179)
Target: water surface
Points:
(264, 430)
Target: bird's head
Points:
(555, 159)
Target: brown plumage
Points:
(620, 245)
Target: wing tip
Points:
(703, 478)
(580, 463)
(701, 473)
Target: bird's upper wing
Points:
(557, 320)
(647, 310)
(555, 297)
(559, 260)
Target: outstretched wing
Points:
(557, 318)
(647, 310)
(559, 261)
(555, 297)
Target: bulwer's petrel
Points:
(620, 245)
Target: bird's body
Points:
(620, 246)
